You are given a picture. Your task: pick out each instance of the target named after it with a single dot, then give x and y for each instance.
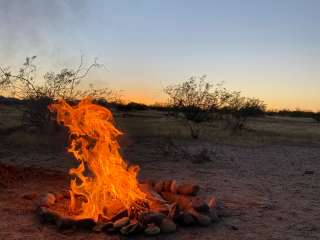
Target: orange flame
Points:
(102, 175)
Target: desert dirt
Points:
(269, 174)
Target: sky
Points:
(268, 49)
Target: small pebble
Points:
(152, 230)
(47, 200)
(29, 196)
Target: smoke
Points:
(34, 28)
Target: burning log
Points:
(173, 187)
(187, 202)
(183, 202)
(188, 189)
(105, 195)
(184, 209)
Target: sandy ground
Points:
(267, 182)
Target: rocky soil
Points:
(275, 187)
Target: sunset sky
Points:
(265, 48)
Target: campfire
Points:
(105, 194)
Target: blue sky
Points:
(267, 49)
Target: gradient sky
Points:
(265, 48)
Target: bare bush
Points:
(239, 108)
(316, 116)
(39, 94)
(196, 101)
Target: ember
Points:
(105, 194)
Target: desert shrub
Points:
(10, 101)
(131, 106)
(36, 110)
(38, 95)
(162, 107)
(297, 113)
(239, 108)
(316, 116)
(196, 101)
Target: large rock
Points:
(64, 223)
(121, 222)
(86, 223)
(203, 220)
(186, 219)
(152, 229)
(167, 226)
(151, 217)
(130, 228)
(102, 226)
(45, 215)
(213, 215)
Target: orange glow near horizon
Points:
(271, 104)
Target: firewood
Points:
(47, 200)
(186, 202)
(66, 194)
(29, 196)
(183, 201)
(188, 189)
(149, 182)
(167, 185)
(173, 186)
(173, 211)
(159, 186)
(120, 214)
(59, 196)
(162, 208)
